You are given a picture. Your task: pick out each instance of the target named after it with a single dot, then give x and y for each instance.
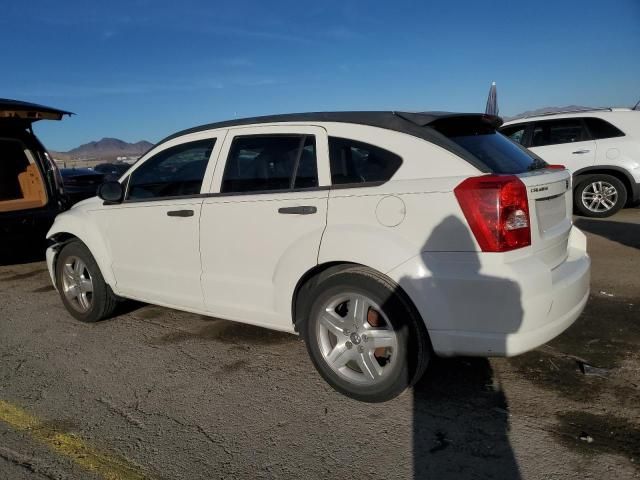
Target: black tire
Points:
(584, 182)
(414, 348)
(103, 302)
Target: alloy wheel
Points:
(599, 196)
(356, 338)
(77, 284)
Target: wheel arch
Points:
(301, 300)
(633, 190)
(66, 229)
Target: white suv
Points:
(381, 237)
(600, 147)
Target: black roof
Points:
(391, 120)
(29, 112)
(416, 124)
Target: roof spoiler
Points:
(425, 119)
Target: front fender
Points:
(78, 223)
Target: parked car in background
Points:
(112, 171)
(31, 188)
(380, 237)
(81, 183)
(600, 147)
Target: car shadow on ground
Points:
(460, 414)
(624, 233)
(460, 423)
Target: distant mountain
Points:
(540, 111)
(105, 149)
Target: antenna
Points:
(635, 107)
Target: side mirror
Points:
(111, 192)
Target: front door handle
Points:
(578, 152)
(180, 213)
(303, 210)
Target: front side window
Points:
(358, 162)
(555, 132)
(600, 129)
(258, 163)
(174, 172)
(515, 132)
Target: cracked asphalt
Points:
(156, 393)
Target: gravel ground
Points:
(163, 394)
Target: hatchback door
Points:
(550, 209)
(563, 142)
(261, 229)
(154, 234)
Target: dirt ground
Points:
(156, 393)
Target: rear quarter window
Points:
(354, 162)
(599, 129)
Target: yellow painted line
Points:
(110, 467)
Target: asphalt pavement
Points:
(157, 393)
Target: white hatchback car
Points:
(381, 237)
(600, 147)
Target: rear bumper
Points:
(479, 308)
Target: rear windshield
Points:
(499, 153)
(478, 136)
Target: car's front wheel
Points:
(599, 195)
(83, 291)
(364, 336)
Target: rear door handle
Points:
(577, 152)
(303, 210)
(180, 213)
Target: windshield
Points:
(499, 153)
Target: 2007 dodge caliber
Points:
(383, 238)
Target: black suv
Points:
(31, 190)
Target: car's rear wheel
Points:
(599, 195)
(83, 291)
(364, 336)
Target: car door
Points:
(262, 226)
(153, 235)
(563, 142)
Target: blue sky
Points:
(142, 69)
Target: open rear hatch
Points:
(27, 113)
(24, 165)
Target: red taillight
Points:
(497, 210)
(556, 167)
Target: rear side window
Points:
(555, 132)
(515, 132)
(358, 162)
(600, 129)
(176, 171)
(259, 163)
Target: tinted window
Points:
(270, 162)
(498, 153)
(357, 162)
(554, 132)
(173, 172)
(515, 132)
(601, 129)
